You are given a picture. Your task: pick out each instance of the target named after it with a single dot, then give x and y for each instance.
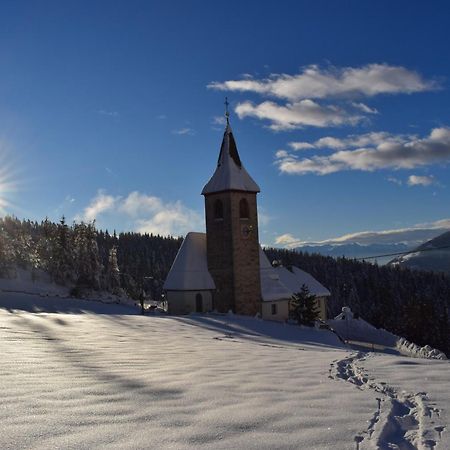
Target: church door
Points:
(198, 303)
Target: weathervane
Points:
(227, 113)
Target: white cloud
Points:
(98, 205)
(316, 82)
(137, 204)
(382, 151)
(281, 154)
(287, 240)
(104, 112)
(306, 92)
(364, 108)
(218, 120)
(414, 235)
(184, 131)
(301, 145)
(297, 114)
(171, 218)
(352, 141)
(395, 181)
(417, 180)
(143, 213)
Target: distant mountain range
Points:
(355, 250)
(433, 255)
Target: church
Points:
(225, 268)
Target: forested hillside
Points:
(432, 255)
(409, 303)
(84, 258)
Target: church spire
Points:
(230, 174)
(227, 113)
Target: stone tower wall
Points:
(233, 253)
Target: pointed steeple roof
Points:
(230, 174)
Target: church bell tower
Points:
(232, 232)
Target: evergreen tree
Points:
(304, 307)
(63, 255)
(112, 272)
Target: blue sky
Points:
(113, 111)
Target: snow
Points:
(414, 400)
(271, 287)
(189, 271)
(408, 348)
(280, 283)
(96, 376)
(23, 282)
(360, 332)
(228, 175)
(314, 286)
(41, 284)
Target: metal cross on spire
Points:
(227, 113)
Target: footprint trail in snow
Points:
(402, 420)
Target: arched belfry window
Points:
(218, 209)
(243, 209)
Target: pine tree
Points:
(304, 307)
(112, 272)
(63, 255)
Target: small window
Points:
(218, 209)
(274, 309)
(243, 209)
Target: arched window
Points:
(243, 209)
(218, 209)
(198, 303)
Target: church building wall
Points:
(186, 302)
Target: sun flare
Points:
(8, 181)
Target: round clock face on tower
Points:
(246, 230)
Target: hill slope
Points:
(433, 255)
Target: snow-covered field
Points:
(88, 375)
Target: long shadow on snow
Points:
(83, 361)
(36, 304)
(262, 330)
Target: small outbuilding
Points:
(275, 296)
(276, 299)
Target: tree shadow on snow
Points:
(262, 331)
(90, 362)
(37, 304)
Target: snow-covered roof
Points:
(230, 174)
(297, 278)
(288, 279)
(314, 286)
(189, 271)
(271, 287)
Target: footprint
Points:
(440, 429)
(358, 439)
(430, 444)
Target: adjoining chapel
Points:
(225, 268)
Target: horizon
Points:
(115, 113)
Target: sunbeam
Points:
(9, 180)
